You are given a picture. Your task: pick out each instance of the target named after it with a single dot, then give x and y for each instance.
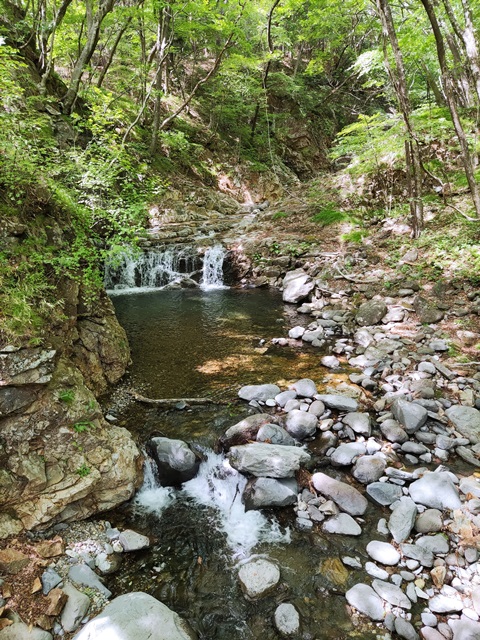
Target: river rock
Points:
(414, 552)
(136, 616)
(405, 629)
(409, 414)
(50, 579)
(304, 387)
(317, 408)
(258, 577)
(301, 424)
(282, 398)
(287, 619)
(465, 629)
(338, 402)
(435, 490)
(345, 454)
(402, 519)
(384, 493)
(383, 552)
(445, 604)
(392, 594)
(21, 631)
(429, 521)
(436, 544)
(364, 599)
(13, 561)
(358, 422)
(133, 541)
(274, 434)
(345, 496)
(368, 469)
(370, 313)
(393, 431)
(245, 430)
(83, 575)
(274, 461)
(176, 462)
(269, 492)
(426, 312)
(343, 524)
(258, 392)
(297, 286)
(466, 420)
(75, 609)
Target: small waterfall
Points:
(212, 277)
(150, 269)
(220, 487)
(152, 497)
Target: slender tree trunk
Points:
(432, 83)
(94, 23)
(164, 41)
(412, 152)
(449, 94)
(111, 55)
(460, 73)
(266, 72)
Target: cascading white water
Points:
(219, 486)
(152, 497)
(150, 269)
(213, 259)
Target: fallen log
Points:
(171, 402)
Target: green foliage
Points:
(280, 215)
(81, 427)
(67, 396)
(356, 236)
(83, 471)
(329, 214)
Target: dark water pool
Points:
(192, 343)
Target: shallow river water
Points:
(197, 343)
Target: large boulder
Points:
(364, 599)
(297, 286)
(136, 616)
(436, 490)
(466, 421)
(345, 496)
(270, 492)
(338, 402)
(300, 424)
(410, 415)
(258, 577)
(258, 392)
(22, 631)
(268, 460)
(274, 434)
(245, 430)
(370, 313)
(176, 462)
(426, 312)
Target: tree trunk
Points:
(164, 41)
(432, 84)
(111, 55)
(94, 23)
(412, 152)
(452, 105)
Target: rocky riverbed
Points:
(402, 432)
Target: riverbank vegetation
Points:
(106, 106)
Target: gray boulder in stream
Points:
(175, 460)
(268, 460)
(136, 616)
(297, 285)
(269, 492)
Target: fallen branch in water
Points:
(171, 402)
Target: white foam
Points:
(152, 497)
(219, 486)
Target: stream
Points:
(202, 342)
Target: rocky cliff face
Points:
(59, 459)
